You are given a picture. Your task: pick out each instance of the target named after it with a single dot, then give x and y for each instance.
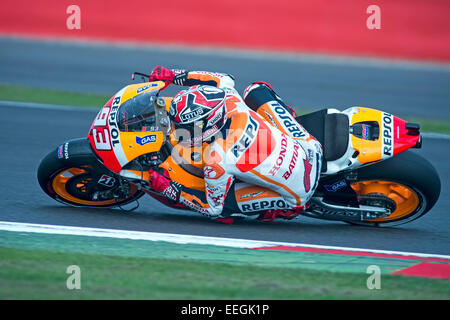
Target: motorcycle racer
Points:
(253, 139)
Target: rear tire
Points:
(408, 179)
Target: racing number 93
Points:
(100, 132)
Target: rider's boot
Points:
(289, 214)
(225, 220)
(274, 214)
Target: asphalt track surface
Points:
(28, 134)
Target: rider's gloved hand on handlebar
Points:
(163, 74)
(162, 184)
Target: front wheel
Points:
(78, 179)
(408, 181)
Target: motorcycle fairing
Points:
(114, 147)
(388, 137)
(393, 137)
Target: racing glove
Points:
(164, 74)
(160, 182)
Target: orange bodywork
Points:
(369, 150)
(179, 175)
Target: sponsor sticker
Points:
(279, 161)
(218, 114)
(66, 150)
(107, 180)
(193, 206)
(63, 151)
(251, 195)
(112, 121)
(188, 113)
(336, 186)
(213, 171)
(139, 90)
(60, 152)
(287, 121)
(387, 135)
(293, 162)
(266, 204)
(247, 138)
(365, 132)
(147, 139)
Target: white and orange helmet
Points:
(198, 113)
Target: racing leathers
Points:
(261, 156)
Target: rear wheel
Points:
(408, 183)
(80, 182)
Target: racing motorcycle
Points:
(369, 177)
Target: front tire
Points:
(408, 180)
(74, 179)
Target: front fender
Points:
(78, 152)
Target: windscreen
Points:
(138, 113)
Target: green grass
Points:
(427, 125)
(24, 94)
(39, 274)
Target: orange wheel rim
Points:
(405, 198)
(59, 186)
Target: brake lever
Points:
(145, 77)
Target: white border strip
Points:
(184, 239)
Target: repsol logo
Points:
(388, 128)
(247, 138)
(264, 205)
(63, 151)
(66, 150)
(114, 131)
(288, 121)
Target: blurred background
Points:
(393, 55)
(405, 28)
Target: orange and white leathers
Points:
(269, 149)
